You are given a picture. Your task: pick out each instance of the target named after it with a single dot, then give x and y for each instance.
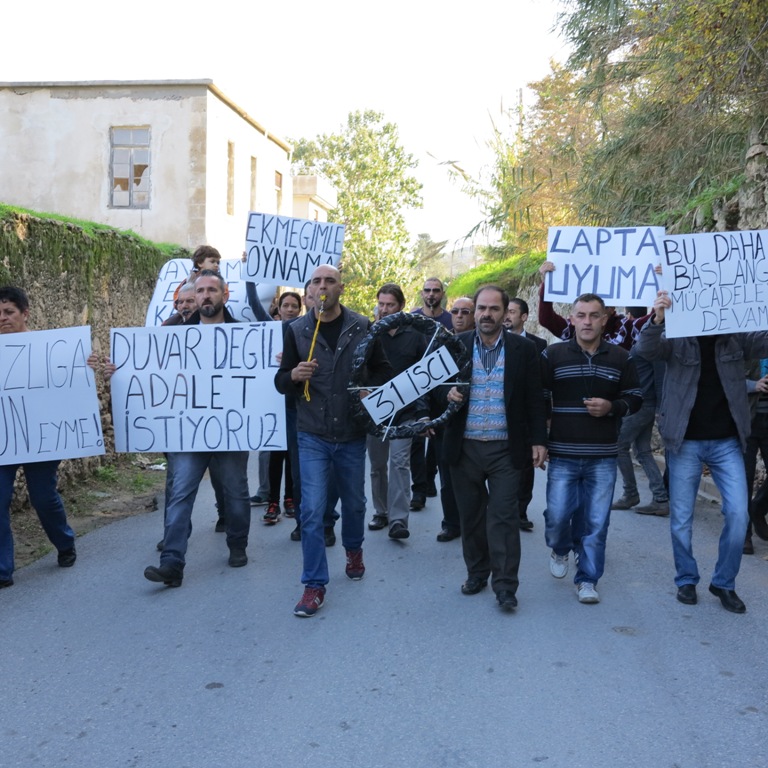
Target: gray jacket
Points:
(682, 378)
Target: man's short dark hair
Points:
(15, 296)
(588, 298)
(393, 289)
(211, 273)
(204, 252)
(504, 294)
(521, 303)
(637, 311)
(435, 280)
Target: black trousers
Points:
(485, 484)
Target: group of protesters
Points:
(575, 408)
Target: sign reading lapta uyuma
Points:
(718, 282)
(198, 388)
(285, 251)
(48, 403)
(616, 264)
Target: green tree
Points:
(372, 175)
(694, 77)
(428, 257)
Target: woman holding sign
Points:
(41, 476)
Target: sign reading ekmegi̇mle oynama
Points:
(616, 264)
(48, 404)
(285, 251)
(717, 281)
(203, 387)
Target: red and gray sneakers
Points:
(311, 602)
(355, 567)
(272, 515)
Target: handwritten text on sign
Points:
(410, 385)
(48, 404)
(197, 388)
(175, 271)
(718, 283)
(616, 264)
(285, 251)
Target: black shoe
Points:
(237, 557)
(759, 524)
(730, 600)
(417, 503)
(525, 523)
(329, 535)
(687, 594)
(170, 575)
(221, 525)
(296, 533)
(6, 583)
(473, 585)
(258, 501)
(398, 530)
(160, 546)
(67, 558)
(378, 522)
(507, 601)
(448, 535)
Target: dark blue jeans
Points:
(41, 483)
(188, 470)
(321, 462)
(579, 495)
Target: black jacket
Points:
(523, 397)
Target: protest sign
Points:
(175, 271)
(616, 264)
(198, 388)
(48, 404)
(410, 385)
(285, 251)
(718, 283)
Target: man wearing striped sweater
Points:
(590, 385)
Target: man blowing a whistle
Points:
(316, 364)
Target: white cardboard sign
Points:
(285, 251)
(198, 388)
(718, 283)
(615, 263)
(410, 385)
(48, 403)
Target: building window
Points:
(279, 190)
(253, 184)
(231, 178)
(129, 167)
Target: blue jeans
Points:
(41, 483)
(582, 488)
(726, 463)
(636, 431)
(319, 459)
(188, 470)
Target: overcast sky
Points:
(440, 71)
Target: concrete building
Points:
(174, 161)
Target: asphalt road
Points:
(102, 669)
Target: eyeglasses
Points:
(432, 290)
(462, 311)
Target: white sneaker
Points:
(587, 592)
(558, 565)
